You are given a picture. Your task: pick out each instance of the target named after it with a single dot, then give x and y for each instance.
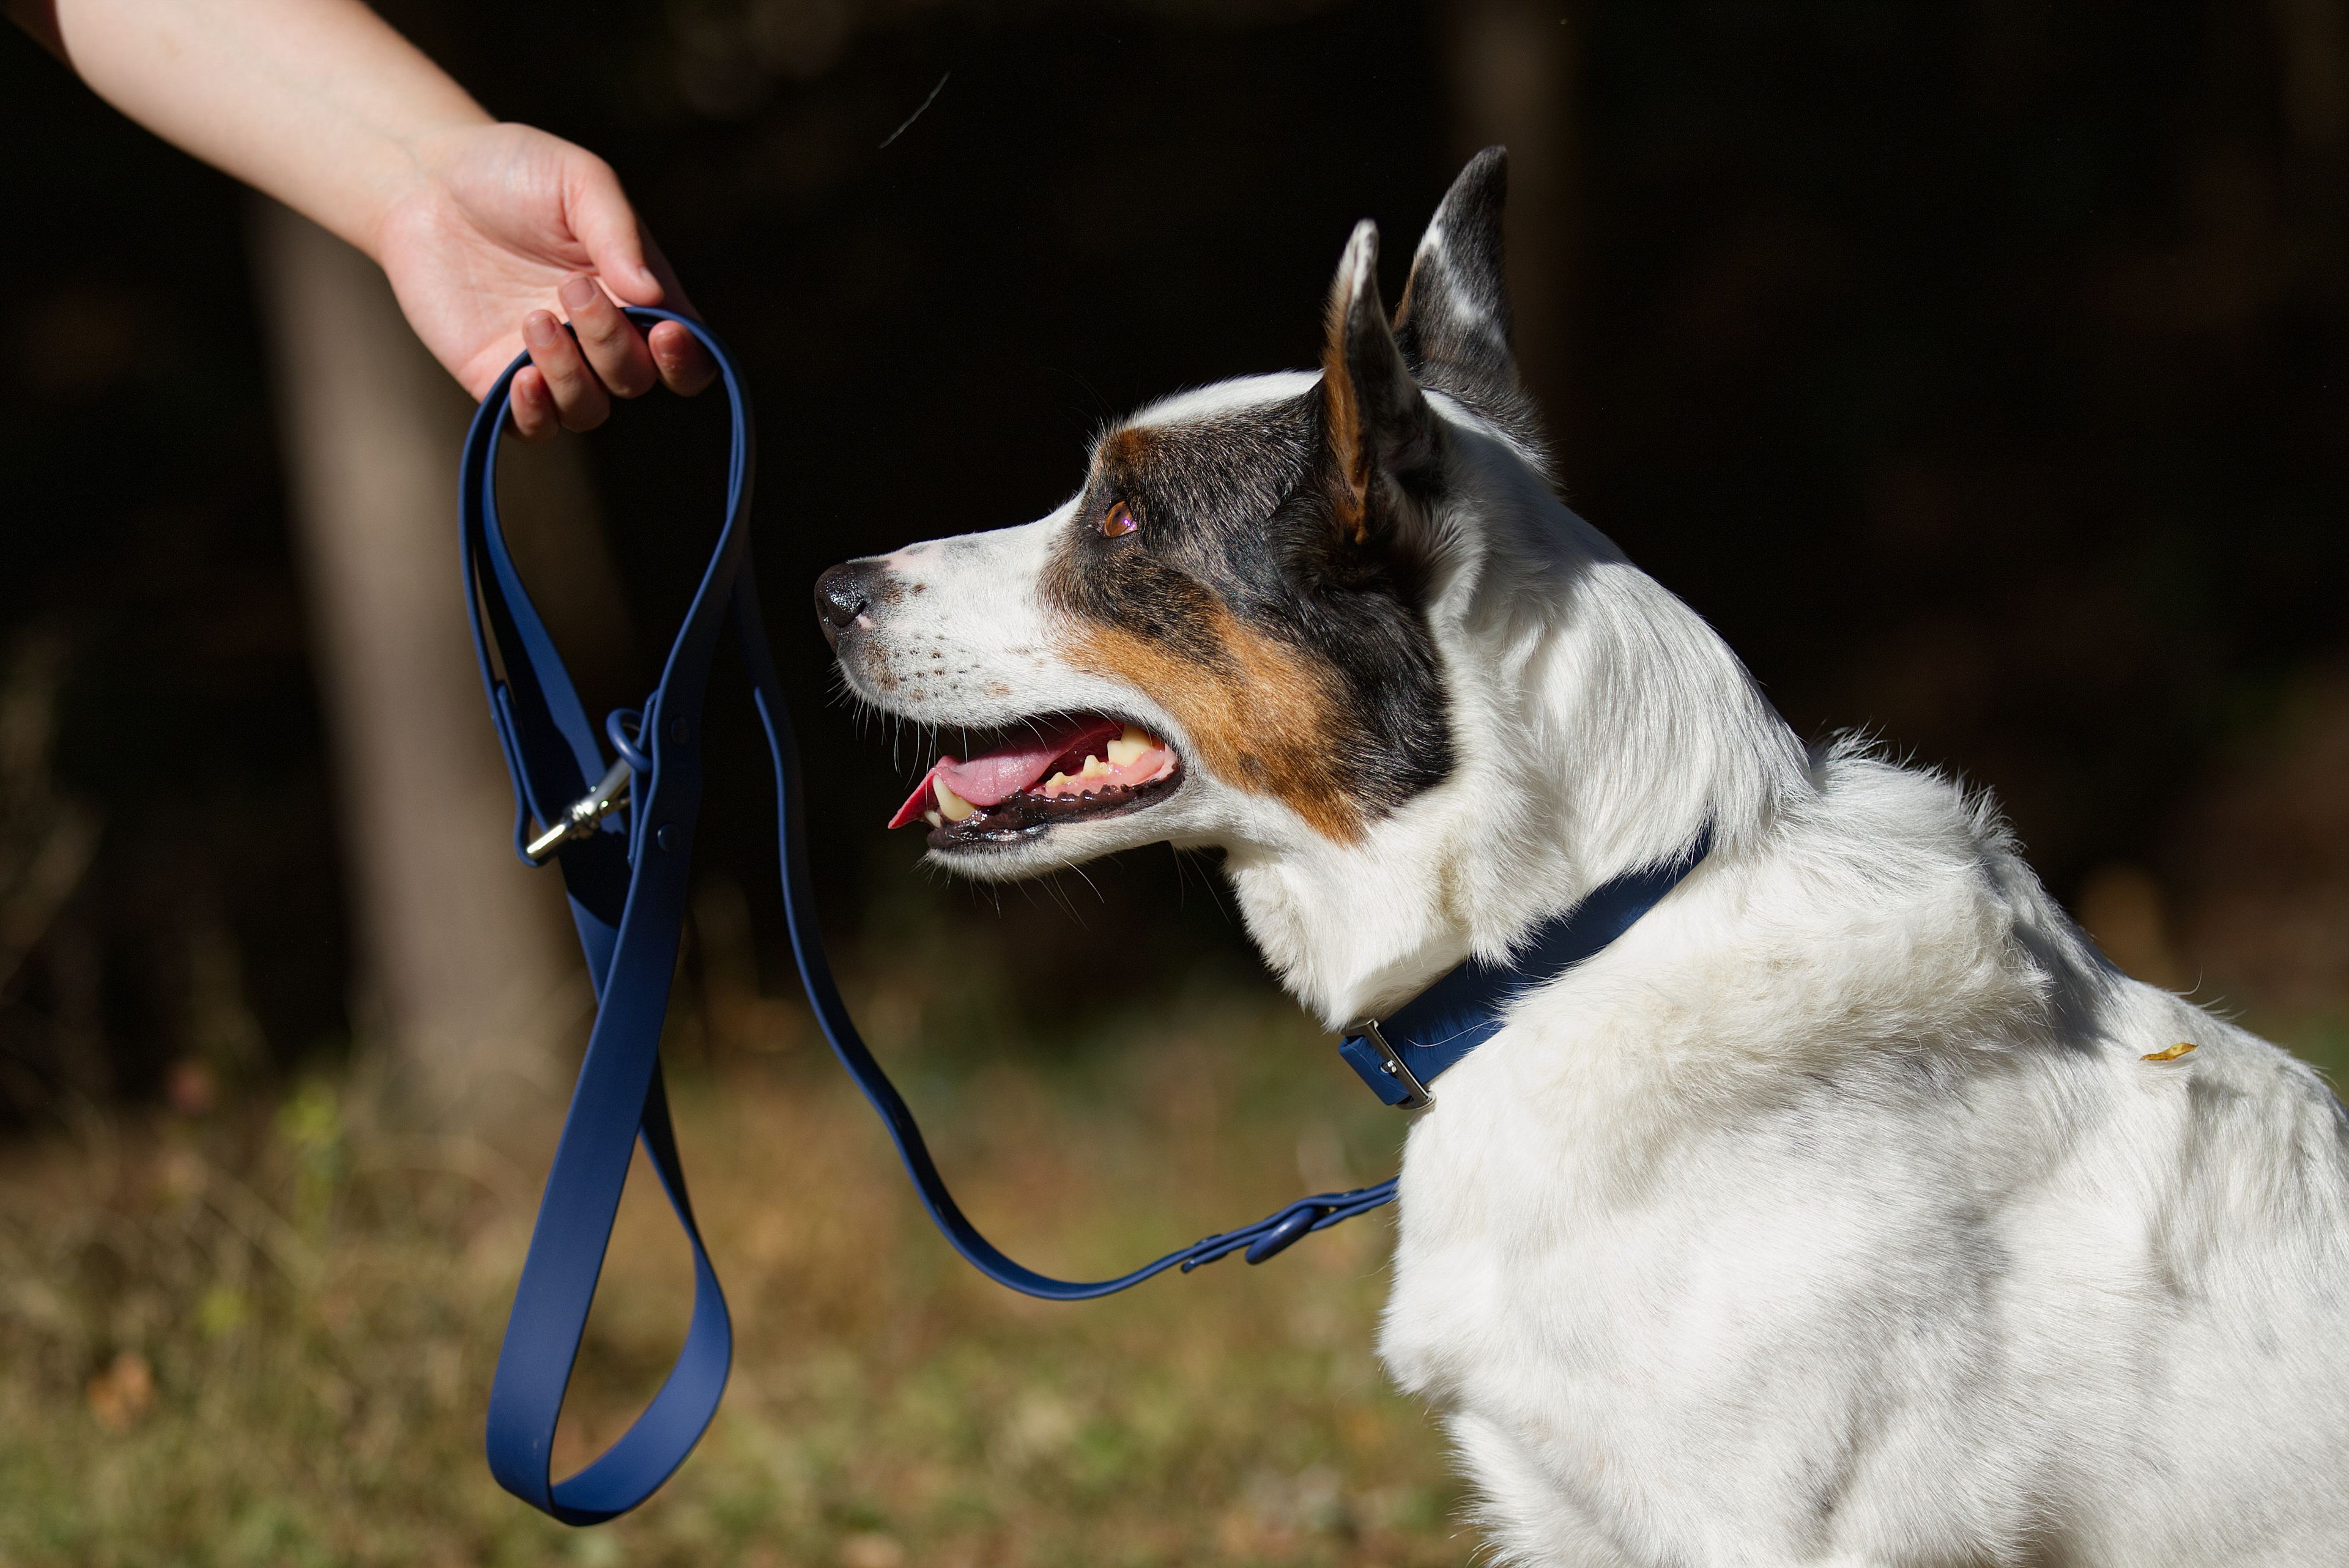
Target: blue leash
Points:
(623, 834)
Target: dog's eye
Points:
(1118, 520)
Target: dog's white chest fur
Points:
(1832, 1217)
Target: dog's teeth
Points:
(1093, 768)
(956, 808)
(934, 818)
(1129, 746)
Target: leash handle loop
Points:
(627, 899)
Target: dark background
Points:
(1976, 368)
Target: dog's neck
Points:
(1598, 725)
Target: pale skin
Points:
(486, 230)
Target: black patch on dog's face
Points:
(1296, 654)
(1261, 572)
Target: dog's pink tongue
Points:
(991, 779)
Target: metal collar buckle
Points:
(1415, 1095)
(584, 816)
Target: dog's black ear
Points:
(1379, 431)
(1453, 323)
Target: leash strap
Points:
(625, 872)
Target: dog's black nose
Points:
(842, 595)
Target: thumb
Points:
(606, 225)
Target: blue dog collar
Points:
(1400, 1055)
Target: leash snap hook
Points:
(1415, 1095)
(584, 816)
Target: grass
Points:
(265, 1335)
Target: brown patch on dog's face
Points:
(1125, 451)
(1257, 714)
(1289, 641)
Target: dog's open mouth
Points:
(1066, 768)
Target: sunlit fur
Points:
(1831, 1215)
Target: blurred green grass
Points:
(265, 1335)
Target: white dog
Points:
(1851, 1208)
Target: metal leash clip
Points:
(584, 816)
(1415, 1095)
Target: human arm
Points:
(483, 228)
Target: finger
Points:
(532, 406)
(686, 366)
(600, 215)
(615, 349)
(579, 398)
(630, 264)
(672, 291)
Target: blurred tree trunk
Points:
(468, 973)
(1512, 68)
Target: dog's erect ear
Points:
(1378, 427)
(1453, 324)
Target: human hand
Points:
(504, 223)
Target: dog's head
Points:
(1333, 622)
(1231, 618)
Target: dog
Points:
(1850, 1209)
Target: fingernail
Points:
(539, 327)
(576, 294)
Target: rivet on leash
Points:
(2171, 1055)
